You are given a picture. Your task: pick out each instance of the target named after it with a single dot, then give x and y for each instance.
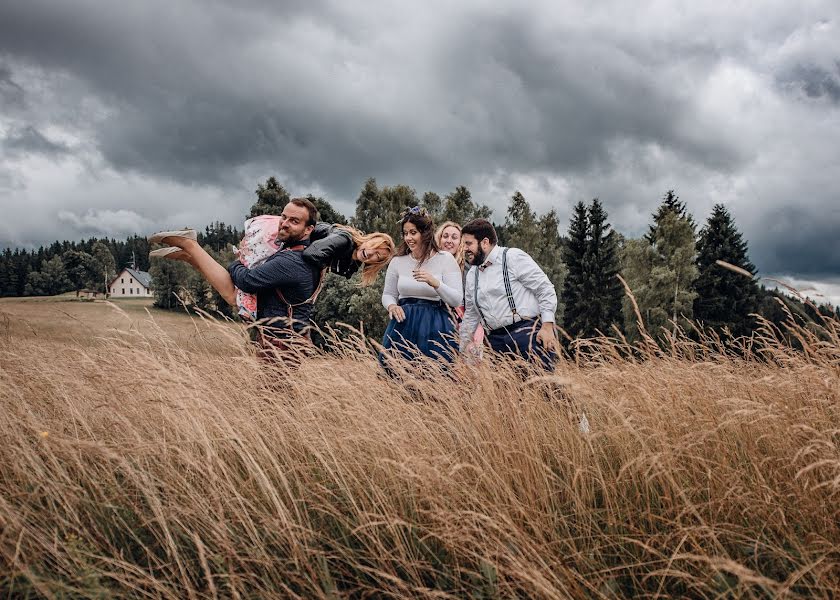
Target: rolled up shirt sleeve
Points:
(533, 278)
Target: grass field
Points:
(149, 455)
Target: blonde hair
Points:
(459, 253)
(383, 240)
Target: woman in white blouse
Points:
(420, 283)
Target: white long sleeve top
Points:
(400, 282)
(533, 292)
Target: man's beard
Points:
(288, 237)
(478, 258)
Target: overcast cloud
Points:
(122, 118)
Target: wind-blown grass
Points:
(141, 466)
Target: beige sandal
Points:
(164, 252)
(158, 238)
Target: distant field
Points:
(150, 455)
(65, 319)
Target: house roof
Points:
(142, 277)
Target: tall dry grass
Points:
(140, 467)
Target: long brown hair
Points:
(371, 270)
(420, 218)
(459, 253)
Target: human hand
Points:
(546, 337)
(395, 311)
(426, 277)
(471, 354)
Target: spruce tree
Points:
(575, 285)
(6, 287)
(602, 258)
(671, 203)
(725, 298)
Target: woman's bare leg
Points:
(215, 274)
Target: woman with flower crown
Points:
(420, 283)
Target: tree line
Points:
(672, 270)
(88, 264)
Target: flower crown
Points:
(414, 210)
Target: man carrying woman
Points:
(285, 280)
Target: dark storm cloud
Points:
(11, 94)
(800, 240)
(815, 81)
(183, 111)
(28, 140)
(569, 101)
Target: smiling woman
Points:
(419, 285)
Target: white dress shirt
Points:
(400, 282)
(533, 293)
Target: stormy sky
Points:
(127, 117)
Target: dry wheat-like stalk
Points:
(167, 462)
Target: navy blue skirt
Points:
(427, 330)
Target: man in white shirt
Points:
(507, 293)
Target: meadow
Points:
(147, 454)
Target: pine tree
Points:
(725, 299)
(670, 203)
(6, 287)
(271, 198)
(521, 230)
(602, 259)
(574, 286)
(592, 293)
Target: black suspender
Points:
(508, 290)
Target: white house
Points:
(131, 283)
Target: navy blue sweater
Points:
(287, 271)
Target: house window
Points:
(113, 290)
(122, 279)
(123, 291)
(130, 280)
(130, 290)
